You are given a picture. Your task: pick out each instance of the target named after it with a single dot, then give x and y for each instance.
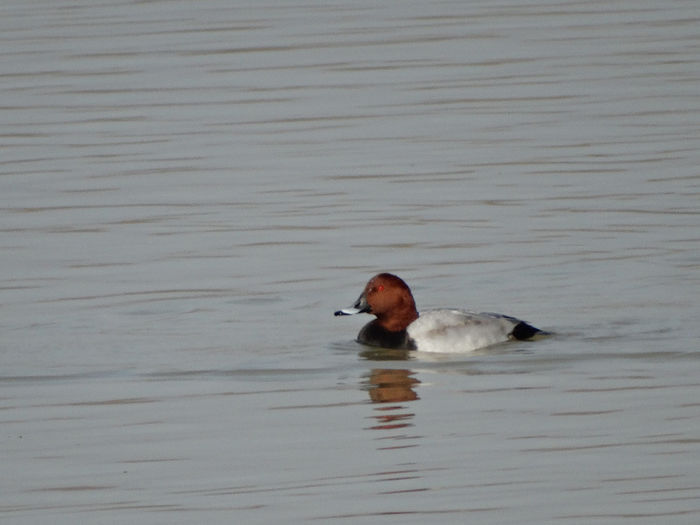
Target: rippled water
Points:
(189, 190)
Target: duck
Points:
(398, 325)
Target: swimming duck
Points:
(398, 324)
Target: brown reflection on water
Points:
(392, 385)
(387, 387)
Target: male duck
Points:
(398, 324)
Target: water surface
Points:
(189, 190)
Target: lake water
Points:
(188, 190)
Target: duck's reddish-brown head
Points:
(389, 298)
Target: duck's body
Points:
(398, 324)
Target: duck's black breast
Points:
(373, 334)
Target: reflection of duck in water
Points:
(392, 386)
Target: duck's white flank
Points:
(459, 331)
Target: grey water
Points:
(188, 190)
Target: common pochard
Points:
(398, 324)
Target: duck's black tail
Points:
(524, 331)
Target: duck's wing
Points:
(451, 331)
(457, 318)
(455, 330)
(520, 329)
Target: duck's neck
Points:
(399, 320)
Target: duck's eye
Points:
(380, 288)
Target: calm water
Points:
(188, 190)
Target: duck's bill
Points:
(360, 307)
(348, 311)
